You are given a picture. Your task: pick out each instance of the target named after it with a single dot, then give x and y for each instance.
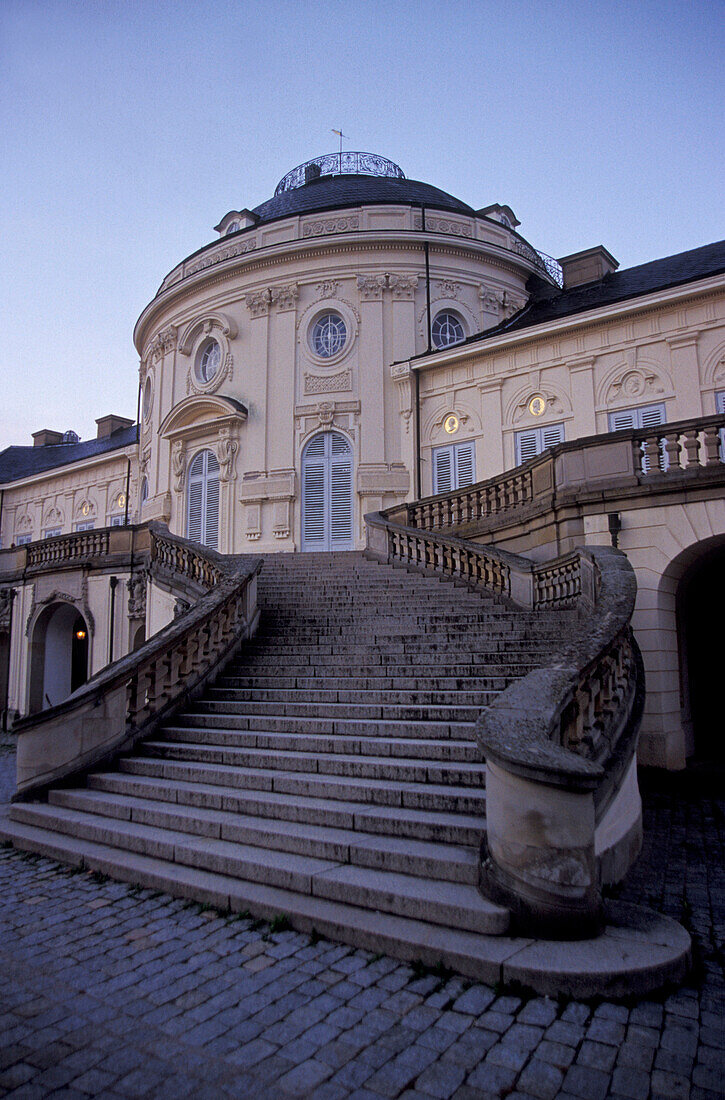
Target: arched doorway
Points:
(327, 493)
(58, 655)
(700, 604)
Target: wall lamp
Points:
(615, 526)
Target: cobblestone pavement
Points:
(108, 990)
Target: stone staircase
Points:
(331, 774)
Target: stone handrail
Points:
(67, 548)
(554, 584)
(686, 449)
(127, 699)
(563, 809)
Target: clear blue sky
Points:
(129, 127)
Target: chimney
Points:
(107, 425)
(47, 438)
(588, 266)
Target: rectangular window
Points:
(116, 521)
(454, 467)
(51, 532)
(86, 525)
(533, 441)
(21, 540)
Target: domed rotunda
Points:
(277, 397)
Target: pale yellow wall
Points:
(57, 498)
(667, 348)
(258, 296)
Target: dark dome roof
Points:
(334, 192)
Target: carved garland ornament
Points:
(330, 225)
(633, 384)
(226, 252)
(315, 383)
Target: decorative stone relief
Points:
(163, 341)
(326, 414)
(226, 252)
(491, 300)
(511, 303)
(7, 595)
(371, 286)
(330, 225)
(719, 372)
(226, 454)
(403, 286)
(178, 464)
(327, 289)
(552, 402)
(85, 510)
(136, 586)
(258, 302)
(53, 518)
(254, 520)
(448, 288)
(284, 297)
(633, 385)
(444, 225)
(315, 383)
(402, 375)
(181, 606)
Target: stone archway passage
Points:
(700, 615)
(327, 493)
(58, 655)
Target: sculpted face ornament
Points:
(451, 424)
(537, 406)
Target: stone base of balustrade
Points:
(542, 914)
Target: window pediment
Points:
(201, 413)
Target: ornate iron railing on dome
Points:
(341, 164)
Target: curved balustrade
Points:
(129, 697)
(69, 548)
(562, 805)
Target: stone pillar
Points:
(581, 375)
(492, 459)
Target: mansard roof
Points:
(617, 286)
(20, 462)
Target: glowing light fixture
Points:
(80, 635)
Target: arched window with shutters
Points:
(202, 496)
(327, 493)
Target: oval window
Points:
(208, 361)
(447, 330)
(328, 335)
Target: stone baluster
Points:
(652, 454)
(711, 436)
(672, 451)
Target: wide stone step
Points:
(450, 903)
(381, 792)
(348, 726)
(454, 863)
(476, 686)
(296, 708)
(398, 697)
(395, 769)
(434, 825)
(428, 749)
(637, 953)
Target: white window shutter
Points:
(202, 514)
(313, 503)
(465, 465)
(551, 435)
(527, 445)
(442, 469)
(340, 502)
(624, 418)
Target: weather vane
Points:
(341, 136)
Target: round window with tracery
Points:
(208, 361)
(329, 335)
(447, 330)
